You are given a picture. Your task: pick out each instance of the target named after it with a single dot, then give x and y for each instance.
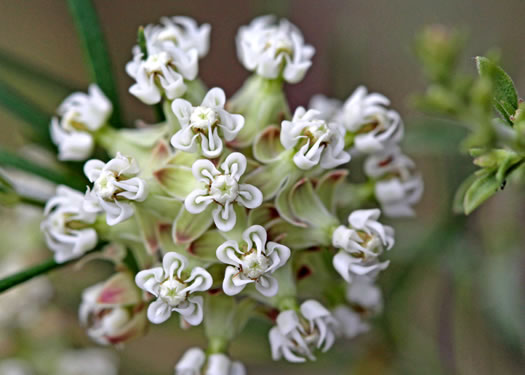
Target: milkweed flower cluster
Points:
(217, 203)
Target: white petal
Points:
(235, 165)
(249, 196)
(158, 312)
(267, 285)
(224, 217)
(228, 286)
(214, 98)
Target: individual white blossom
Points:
(174, 289)
(274, 50)
(80, 115)
(365, 235)
(399, 186)
(350, 323)
(66, 226)
(195, 362)
(362, 292)
(112, 311)
(316, 141)
(361, 243)
(375, 127)
(173, 51)
(223, 190)
(87, 362)
(185, 33)
(115, 185)
(328, 108)
(295, 337)
(204, 126)
(252, 262)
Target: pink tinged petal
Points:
(93, 168)
(267, 285)
(200, 280)
(214, 98)
(229, 286)
(224, 217)
(227, 253)
(173, 264)
(158, 312)
(235, 165)
(149, 280)
(118, 290)
(197, 201)
(249, 196)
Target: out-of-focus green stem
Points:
(39, 269)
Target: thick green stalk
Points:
(39, 269)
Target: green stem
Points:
(31, 201)
(39, 269)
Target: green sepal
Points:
(267, 145)
(195, 91)
(263, 215)
(240, 224)
(205, 247)
(176, 180)
(272, 178)
(188, 227)
(295, 237)
(327, 185)
(262, 102)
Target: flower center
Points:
(170, 292)
(279, 42)
(203, 118)
(58, 222)
(105, 185)
(319, 129)
(155, 62)
(372, 243)
(224, 188)
(70, 121)
(254, 265)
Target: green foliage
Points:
(90, 33)
(470, 101)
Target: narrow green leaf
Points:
(10, 159)
(20, 67)
(90, 32)
(141, 41)
(505, 95)
(37, 270)
(30, 113)
(482, 188)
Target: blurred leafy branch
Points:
(497, 144)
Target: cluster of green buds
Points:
(497, 143)
(231, 208)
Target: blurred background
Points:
(455, 289)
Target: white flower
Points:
(173, 51)
(329, 108)
(223, 190)
(400, 186)
(252, 262)
(349, 266)
(87, 362)
(365, 294)
(274, 50)
(203, 127)
(350, 323)
(194, 360)
(66, 225)
(173, 289)
(375, 127)
(81, 114)
(365, 236)
(318, 142)
(185, 33)
(295, 337)
(114, 185)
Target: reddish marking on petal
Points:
(182, 238)
(272, 314)
(303, 272)
(109, 295)
(386, 161)
(153, 244)
(159, 174)
(214, 291)
(164, 227)
(161, 150)
(338, 175)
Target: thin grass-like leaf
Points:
(90, 32)
(9, 159)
